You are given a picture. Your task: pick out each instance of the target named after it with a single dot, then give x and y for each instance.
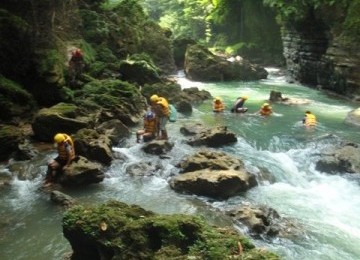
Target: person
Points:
(238, 105)
(66, 153)
(161, 107)
(309, 119)
(149, 131)
(76, 64)
(218, 105)
(265, 110)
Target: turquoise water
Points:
(325, 207)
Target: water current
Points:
(326, 207)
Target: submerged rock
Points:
(115, 230)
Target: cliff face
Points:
(319, 53)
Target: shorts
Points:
(61, 162)
(162, 123)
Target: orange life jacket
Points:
(164, 107)
(150, 126)
(218, 106)
(265, 111)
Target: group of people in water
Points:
(309, 119)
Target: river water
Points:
(326, 207)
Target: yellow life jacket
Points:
(310, 120)
(164, 111)
(63, 153)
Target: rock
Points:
(62, 199)
(353, 117)
(202, 65)
(219, 184)
(82, 172)
(94, 146)
(157, 147)
(114, 129)
(60, 118)
(264, 221)
(214, 137)
(207, 159)
(344, 159)
(10, 139)
(115, 230)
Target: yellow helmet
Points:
(154, 98)
(266, 105)
(59, 138)
(245, 97)
(217, 99)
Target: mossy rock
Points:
(10, 137)
(115, 230)
(14, 100)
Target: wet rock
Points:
(344, 159)
(114, 129)
(62, 199)
(157, 147)
(220, 184)
(143, 169)
(264, 221)
(212, 137)
(82, 172)
(207, 159)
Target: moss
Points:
(64, 109)
(130, 232)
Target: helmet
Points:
(217, 99)
(59, 138)
(244, 97)
(266, 105)
(154, 98)
(149, 115)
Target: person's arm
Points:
(68, 149)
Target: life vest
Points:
(63, 153)
(310, 120)
(150, 126)
(218, 106)
(265, 111)
(164, 111)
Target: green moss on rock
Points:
(115, 230)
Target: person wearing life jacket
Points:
(218, 105)
(66, 153)
(265, 110)
(238, 105)
(309, 119)
(149, 131)
(161, 107)
(76, 64)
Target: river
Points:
(326, 207)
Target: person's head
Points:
(59, 138)
(149, 115)
(154, 98)
(244, 97)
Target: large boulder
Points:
(61, 118)
(219, 184)
(82, 172)
(213, 174)
(94, 146)
(115, 230)
(202, 65)
(10, 138)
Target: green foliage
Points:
(352, 21)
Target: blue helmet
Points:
(149, 115)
